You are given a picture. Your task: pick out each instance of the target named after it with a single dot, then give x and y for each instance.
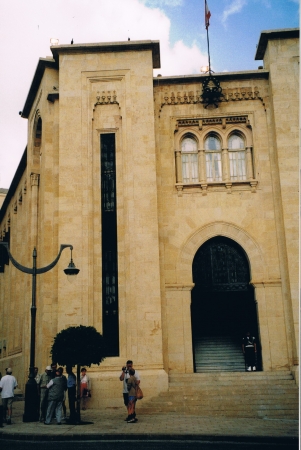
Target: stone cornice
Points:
(269, 35)
(224, 76)
(110, 47)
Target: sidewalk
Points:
(110, 424)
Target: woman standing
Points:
(85, 387)
(131, 384)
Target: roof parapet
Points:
(268, 35)
(111, 47)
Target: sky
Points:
(26, 28)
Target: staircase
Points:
(218, 353)
(272, 395)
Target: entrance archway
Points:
(223, 307)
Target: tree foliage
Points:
(80, 345)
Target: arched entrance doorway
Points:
(223, 306)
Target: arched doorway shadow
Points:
(223, 307)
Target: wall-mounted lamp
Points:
(71, 270)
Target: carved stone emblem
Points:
(212, 91)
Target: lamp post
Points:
(31, 391)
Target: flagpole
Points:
(208, 52)
(207, 17)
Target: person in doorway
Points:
(123, 377)
(44, 380)
(85, 388)
(249, 351)
(131, 386)
(7, 385)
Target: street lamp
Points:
(31, 391)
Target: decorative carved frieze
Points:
(106, 98)
(223, 121)
(229, 94)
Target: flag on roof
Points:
(207, 15)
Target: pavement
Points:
(108, 425)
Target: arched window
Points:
(237, 157)
(189, 151)
(213, 158)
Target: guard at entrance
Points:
(249, 351)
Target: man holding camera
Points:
(124, 376)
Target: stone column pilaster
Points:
(179, 177)
(179, 336)
(250, 174)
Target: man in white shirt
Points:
(7, 385)
(124, 376)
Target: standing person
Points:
(85, 387)
(56, 388)
(249, 351)
(53, 370)
(53, 375)
(44, 380)
(71, 386)
(65, 389)
(123, 377)
(131, 386)
(7, 385)
(37, 376)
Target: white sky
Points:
(27, 26)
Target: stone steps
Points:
(290, 393)
(233, 401)
(216, 353)
(224, 412)
(277, 374)
(255, 394)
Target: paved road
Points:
(150, 445)
(107, 430)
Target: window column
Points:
(179, 177)
(250, 172)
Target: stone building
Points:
(180, 197)
(3, 193)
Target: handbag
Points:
(86, 393)
(139, 393)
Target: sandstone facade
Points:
(170, 200)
